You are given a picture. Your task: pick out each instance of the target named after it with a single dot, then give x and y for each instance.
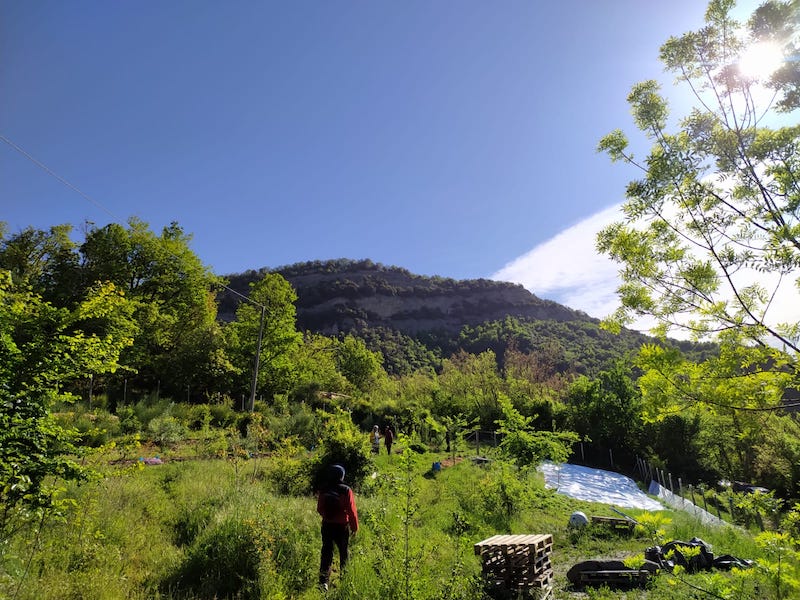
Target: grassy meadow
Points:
(241, 526)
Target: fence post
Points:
(478, 442)
(680, 491)
(611, 457)
(691, 491)
(670, 483)
(730, 503)
(583, 456)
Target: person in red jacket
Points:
(337, 506)
(388, 439)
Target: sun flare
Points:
(760, 60)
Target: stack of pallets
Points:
(517, 563)
(615, 524)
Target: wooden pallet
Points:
(621, 577)
(615, 523)
(517, 563)
(544, 593)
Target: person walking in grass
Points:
(388, 439)
(337, 506)
(375, 439)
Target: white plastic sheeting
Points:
(682, 503)
(596, 485)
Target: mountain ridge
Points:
(416, 321)
(340, 295)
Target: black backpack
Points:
(333, 499)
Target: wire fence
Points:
(706, 503)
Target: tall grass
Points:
(238, 528)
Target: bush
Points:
(199, 417)
(342, 443)
(94, 427)
(128, 421)
(289, 473)
(166, 430)
(222, 414)
(223, 563)
(149, 408)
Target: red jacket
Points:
(337, 504)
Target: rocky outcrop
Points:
(344, 295)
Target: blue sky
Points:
(451, 138)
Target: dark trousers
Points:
(333, 534)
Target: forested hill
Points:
(344, 295)
(415, 320)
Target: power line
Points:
(52, 173)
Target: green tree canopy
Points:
(607, 410)
(280, 339)
(711, 232)
(180, 343)
(43, 347)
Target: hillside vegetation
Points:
(216, 520)
(415, 321)
(112, 350)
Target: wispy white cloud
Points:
(568, 269)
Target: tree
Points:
(524, 445)
(277, 370)
(711, 232)
(733, 398)
(315, 367)
(361, 366)
(469, 385)
(43, 347)
(44, 261)
(180, 342)
(607, 410)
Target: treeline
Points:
(129, 314)
(168, 312)
(424, 319)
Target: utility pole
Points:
(254, 382)
(252, 402)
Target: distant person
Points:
(388, 439)
(375, 439)
(337, 506)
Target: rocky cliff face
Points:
(343, 295)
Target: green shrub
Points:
(128, 421)
(166, 430)
(222, 563)
(95, 428)
(288, 471)
(298, 421)
(199, 417)
(223, 414)
(342, 443)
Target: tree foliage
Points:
(40, 347)
(710, 239)
(173, 295)
(607, 410)
(526, 446)
(280, 338)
